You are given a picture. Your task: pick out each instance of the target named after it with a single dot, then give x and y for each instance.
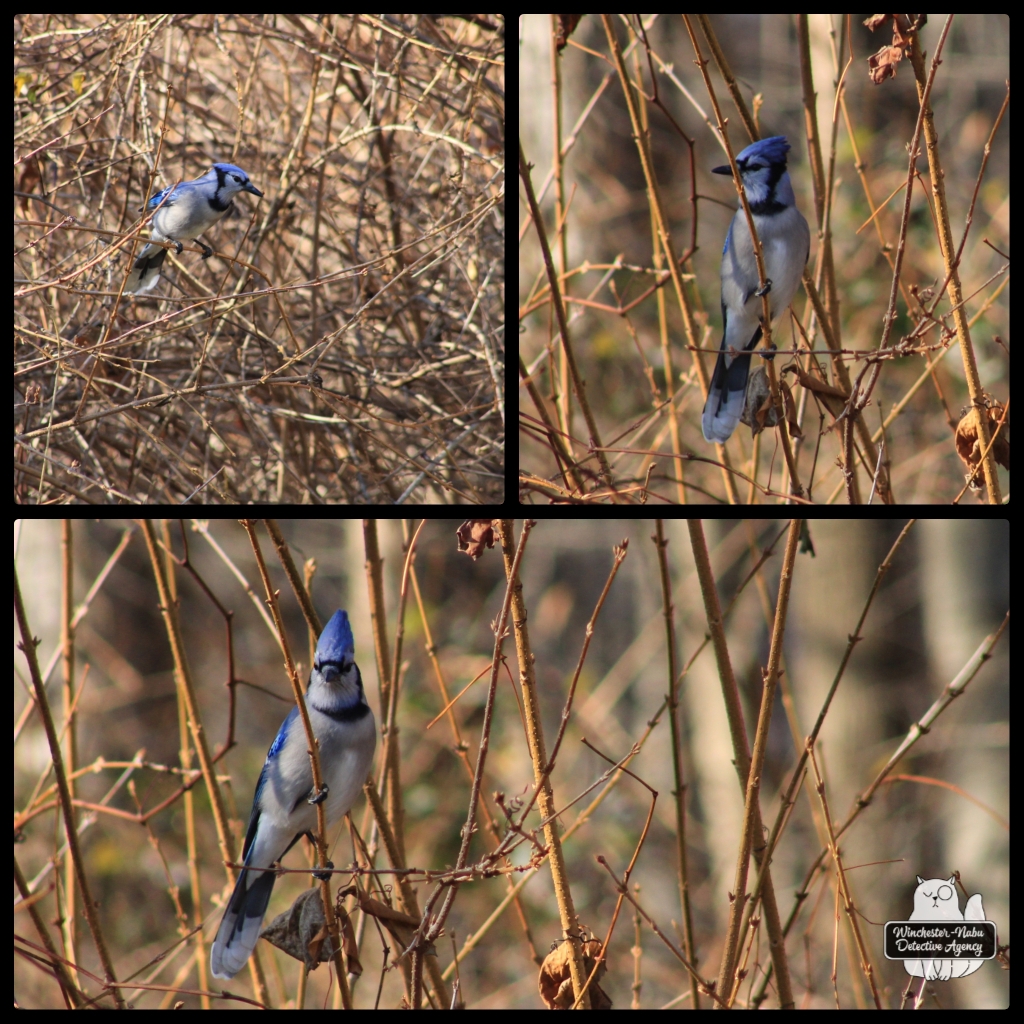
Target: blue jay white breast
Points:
(281, 809)
(785, 242)
(182, 214)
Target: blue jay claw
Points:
(324, 876)
(759, 293)
(321, 796)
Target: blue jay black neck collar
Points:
(352, 713)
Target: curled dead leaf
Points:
(555, 980)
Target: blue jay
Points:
(190, 209)
(283, 807)
(785, 241)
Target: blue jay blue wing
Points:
(282, 811)
(157, 199)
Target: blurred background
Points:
(946, 591)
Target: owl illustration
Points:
(935, 899)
